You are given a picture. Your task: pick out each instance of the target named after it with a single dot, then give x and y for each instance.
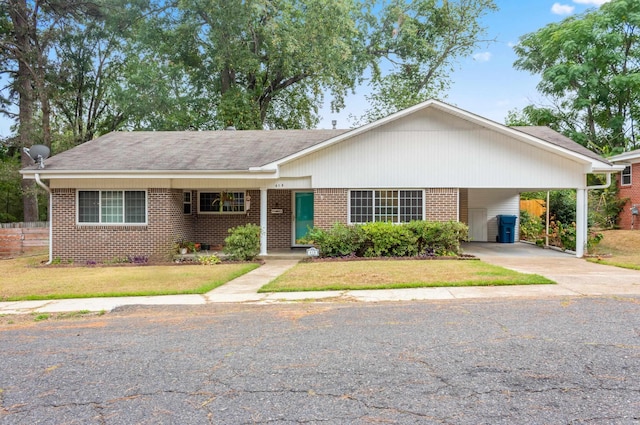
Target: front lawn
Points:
(391, 274)
(25, 279)
(618, 248)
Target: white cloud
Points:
(592, 2)
(512, 44)
(562, 9)
(482, 57)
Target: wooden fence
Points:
(536, 207)
(22, 238)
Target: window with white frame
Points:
(112, 206)
(221, 202)
(186, 203)
(395, 206)
(626, 176)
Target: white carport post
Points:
(263, 221)
(581, 221)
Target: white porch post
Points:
(581, 221)
(263, 221)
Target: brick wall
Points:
(441, 204)
(633, 193)
(279, 225)
(81, 243)
(464, 206)
(212, 229)
(330, 206)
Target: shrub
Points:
(531, 226)
(208, 260)
(388, 240)
(439, 238)
(243, 242)
(341, 240)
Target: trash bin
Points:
(507, 228)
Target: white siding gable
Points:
(431, 148)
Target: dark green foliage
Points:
(243, 242)
(417, 238)
(439, 238)
(531, 227)
(605, 207)
(562, 206)
(389, 240)
(340, 241)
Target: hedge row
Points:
(416, 238)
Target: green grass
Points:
(25, 279)
(620, 248)
(350, 275)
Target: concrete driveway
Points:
(572, 274)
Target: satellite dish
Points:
(38, 153)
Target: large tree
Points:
(590, 69)
(271, 62)
(29, 29)
(415, 47)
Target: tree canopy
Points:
(76, 69)
(590, 70)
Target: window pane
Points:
(386, 205)
(112, 206)
(410, 205)
(89, 206)
(134, 206)
(231, 202)
(626, 175)
(361, 206)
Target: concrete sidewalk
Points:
(575, 277)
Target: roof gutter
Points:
(48, 190)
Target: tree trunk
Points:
(19, 13)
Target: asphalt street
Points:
(573, 360)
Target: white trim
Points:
(468, 116)
(100, 223)
(293, 215)
(630, 176)
(190, 203)
(263, 221)
(423, 204)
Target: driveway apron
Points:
(571, 273)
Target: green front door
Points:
(303, 214)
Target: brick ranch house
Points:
(629, 187)
(137, 193)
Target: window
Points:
(186, 203)
(221, 202)
(395, 206)
(112, 206)
(626, 176)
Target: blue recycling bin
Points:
(507, 228)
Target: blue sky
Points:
(487, 84)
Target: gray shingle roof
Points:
(549, 135)
(187, 150)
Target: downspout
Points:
(45, 187)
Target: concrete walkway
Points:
(575, 277)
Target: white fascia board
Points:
(627, 157)
(129, 174)
(605, 170)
